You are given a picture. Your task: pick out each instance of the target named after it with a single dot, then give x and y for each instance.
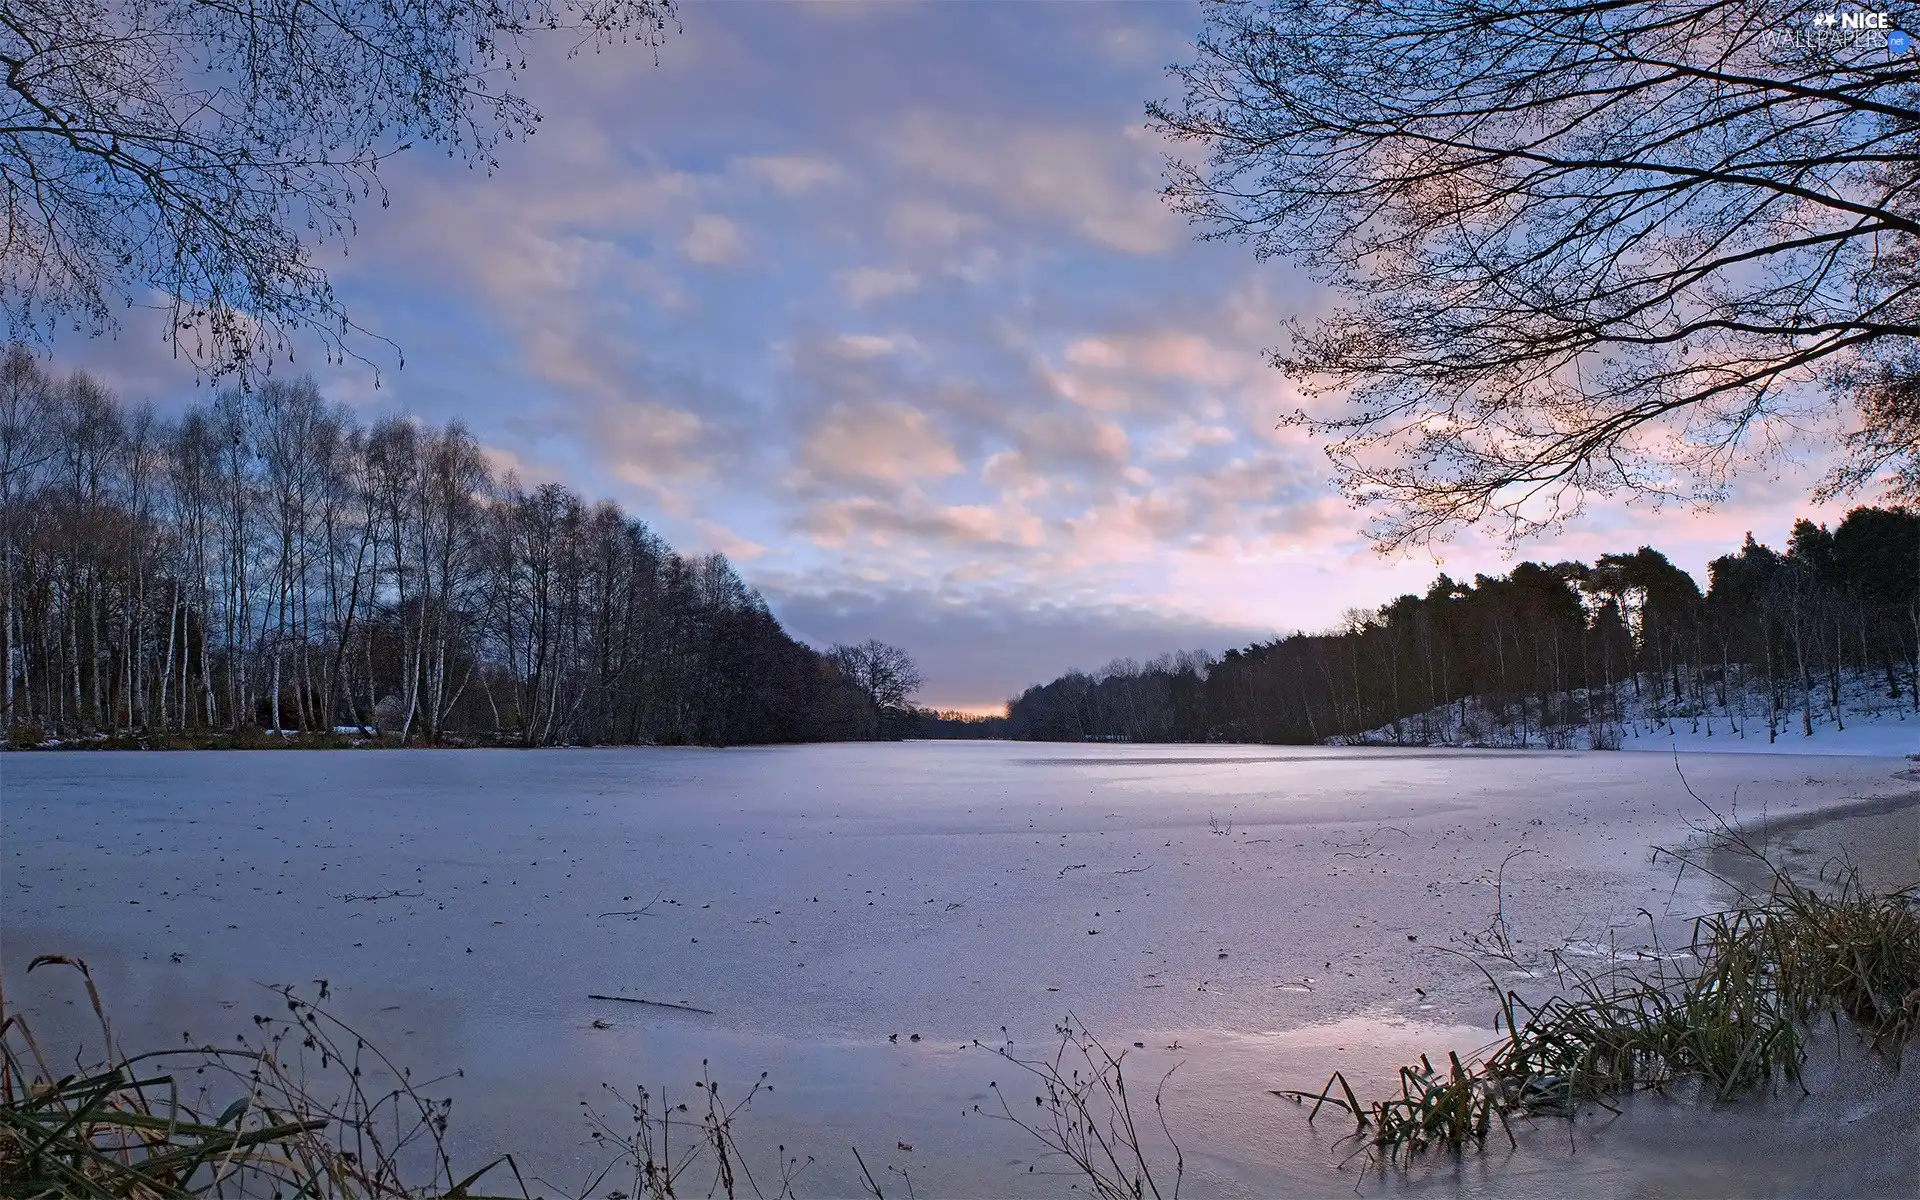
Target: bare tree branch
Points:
(1582, 248)
(192, 155)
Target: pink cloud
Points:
(716, 536)
(1166, 354)
(884, 525)
(868, 443)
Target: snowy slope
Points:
(1888, 734)
(1866, 722)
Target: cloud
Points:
(503, 462)
(863, 444)
(1168, 354)
(931, 224)
(1014, 475)
(792, 174)
(648, 440)
(715, 536)
(862, 345)
(1087, 392)
(1185, 436)
(1139, 46)
(713, 239)
(1094, 180)
(919, 523)
(642, 432)
(1070, 438)
(1130, 524)
(863, 285)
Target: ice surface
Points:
(1271, 911)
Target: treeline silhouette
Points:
(267, 562)
(1550, 654)
(927, 724)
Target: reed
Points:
(1728, 1013)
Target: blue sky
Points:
(881, 301)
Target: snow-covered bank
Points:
(1887, 735)
(1865, 720)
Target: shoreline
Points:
(1878, 836)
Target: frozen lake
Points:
(1274, 912)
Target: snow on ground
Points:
(1866, 722)
(1889, 735)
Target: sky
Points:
(881, 301)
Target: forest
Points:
(1556, 655)
(267, 562)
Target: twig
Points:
(651, 1003)
(642, 911)
(872, 1187)
(902, 1173)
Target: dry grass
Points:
(308, 1108)
(248, 1120)
(665, 1149)
(1084, 1120)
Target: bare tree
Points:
(198, 151)
(294, 432)
(885, 673)
(236, 487)
(193, 474)
(1583, 248)
(29, 440)
(452, 475)
(267, 561)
